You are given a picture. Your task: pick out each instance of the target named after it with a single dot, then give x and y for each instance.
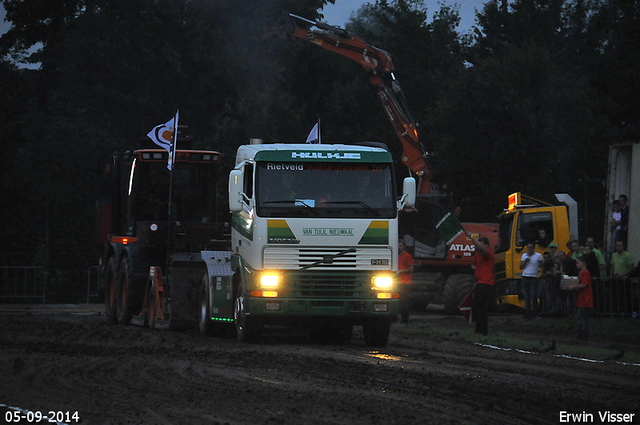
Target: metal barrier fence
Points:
(617, 297)
(611, 297)
(20, 283)
(93, 282)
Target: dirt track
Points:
(130, 375)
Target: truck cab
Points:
(528, 219)
(138, 226)
(314, 239)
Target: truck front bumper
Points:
(355, 311)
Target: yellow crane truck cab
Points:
(528, 219)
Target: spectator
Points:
(569, 252)
(584, 298)
(576, 251)
(616, 216)
(483, 290)
(602, 264)
(591, 260)
(530, 264)
(546, 282)
(543, 238)
(582, 250)
(405, 268)
(565, 265)
(621, 234)
(621, 261)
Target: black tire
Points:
(131, 295)
(122, 284)
(456, 289)
(247, 330)
(376, 332)
(205, 325)
(110, 292)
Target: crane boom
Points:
(377, 63)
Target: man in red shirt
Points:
(483, 290)
(405, 268)
(584, 297)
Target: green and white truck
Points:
(314, 242)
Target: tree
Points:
(110, 71)
(521, 116)
(612, 33)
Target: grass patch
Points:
(611, 339)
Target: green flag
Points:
(449, 228)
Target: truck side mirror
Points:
(408, 192)
(236, 179)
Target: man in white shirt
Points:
(530, 264)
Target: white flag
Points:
(162, 135)
(313, 136)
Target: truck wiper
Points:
(328, 259)
(289, 201)
(361, 203)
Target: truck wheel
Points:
(205, 324)
(246, 329)
(131, 295)
(110, 302)
(124, 292)
(376, 332)
(456, 289)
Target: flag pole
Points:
(319, 132)
(171, 164)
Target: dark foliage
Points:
(528, 102)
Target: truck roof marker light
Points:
(210, 157)
(514, 200)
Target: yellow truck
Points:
(522, 221)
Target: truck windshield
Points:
(535, 227)
(506, 225)
(353, 190)
(192, 198)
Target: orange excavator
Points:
(379, 66)
(441, 271)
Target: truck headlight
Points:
(382, 282)
(269, 280)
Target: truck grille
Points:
(326, 285)
(295, 258)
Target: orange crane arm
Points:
(377, 63)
